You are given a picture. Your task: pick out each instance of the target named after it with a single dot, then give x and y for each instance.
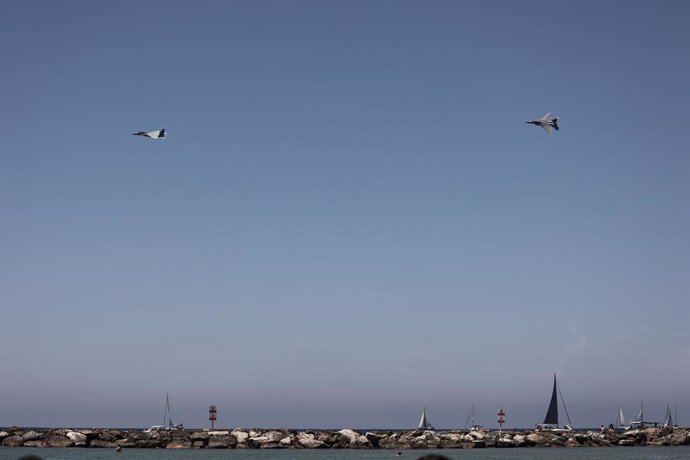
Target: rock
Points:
(271, 445)
(221, 441)
(179, 443)
(626, 442)
(373, 438)
(31, 436)
(286, 441)
(355, 439)
(59, 441)
(35, 443)
(3, 435)
(128, 443)
(257, 441)
(679, 439)
(107, 436)
(199, 436)
(198, 444)
(241, 436)
(12, 441)
(506, 441)
(78, 439)
(274, 436)
(572, 442)
(307, 440)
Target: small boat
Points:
(640, 423)
(668, 419)
(551, 419)
(424, 423)
(169, 426)
(620, 421)
(473, 426)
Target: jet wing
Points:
(548, 128)
(547, 117)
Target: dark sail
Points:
(552, 413)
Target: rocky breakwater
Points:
(331, 439)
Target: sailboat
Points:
(473, 426)
(620, 420)
(668, 420)
(551, 419)
(640, 423)
(424, 423)
(167, 416)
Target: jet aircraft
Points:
(548, 122)
(152, 134)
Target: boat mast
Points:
(471, 416)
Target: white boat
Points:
(551, 419)
(620, 421)
(669, 421)
(473, 426)
(640, 423)
(424, 423)
(168, 424)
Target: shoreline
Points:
(239, 438)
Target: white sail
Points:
(668, 419)
(621, 419)
(424, 422)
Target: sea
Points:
(524, 453)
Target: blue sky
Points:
(350, 219)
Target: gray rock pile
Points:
(327, 439)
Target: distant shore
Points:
(239, 438)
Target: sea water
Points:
(525, 453)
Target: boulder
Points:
(199, 436)
(59, 441)
(257, 441)
(78, 439)
(179, 443)
(35, 443)
(309, 441)
(274, 436)
(679, 439)
(506, 441)
(271, 445)
(12, 441)
(354, 439)
(538, 439)
(31, 436)
(130, 443)
(3, 435)
(110, 436)
(221, 441)
(241, 436)
(374, 438)
(286, 441)
(572, 442)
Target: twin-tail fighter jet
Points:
(152, 134)
(548, 122)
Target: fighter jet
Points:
(548, 122)
(152, 134)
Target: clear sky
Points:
(350, 219)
